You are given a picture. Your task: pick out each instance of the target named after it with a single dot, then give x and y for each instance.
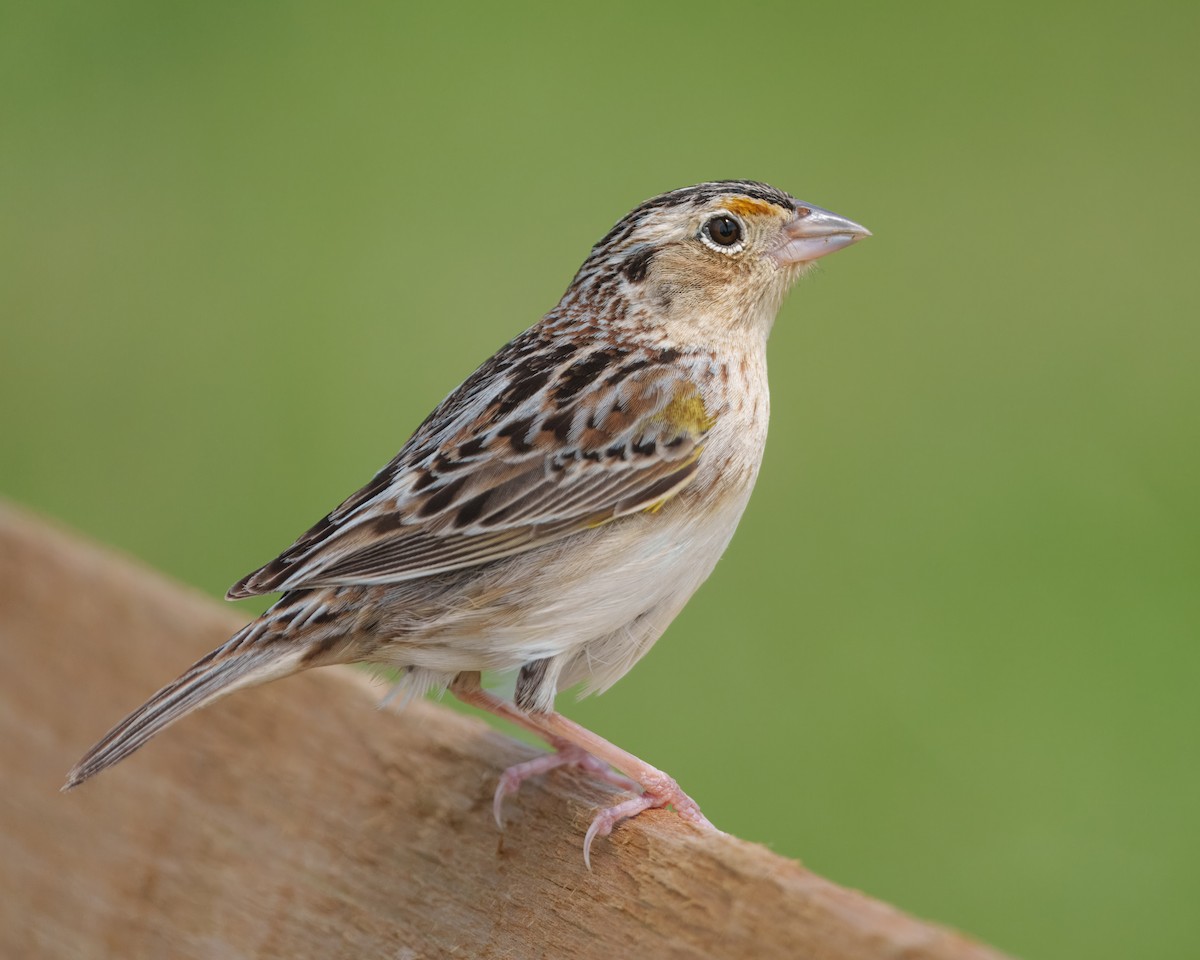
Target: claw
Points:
(662, 791)
(512, 778)
(605, 820)
(565, 755)
(662, 794)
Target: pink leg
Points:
(660, 790)
(578, 746)
(467, 689)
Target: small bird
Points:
(557, 510)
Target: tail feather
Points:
(221, 672)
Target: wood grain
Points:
(297, 820)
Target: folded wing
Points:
(485, 478)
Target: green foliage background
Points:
(951, 656)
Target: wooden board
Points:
(297, 820)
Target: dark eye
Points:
(723, 231)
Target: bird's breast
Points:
(738, 401)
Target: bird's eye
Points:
(723, 233)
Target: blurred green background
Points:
(951, 656)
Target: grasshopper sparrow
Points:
(556, 511)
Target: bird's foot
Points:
(564, 755)
(663, 792)
(579, 747)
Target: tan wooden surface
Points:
(296, 820)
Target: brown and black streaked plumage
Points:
(555, 512)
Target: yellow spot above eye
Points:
(746, 207)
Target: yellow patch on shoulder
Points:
(746, 207)
(686, 413)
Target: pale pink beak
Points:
(814, 233)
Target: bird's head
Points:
(714, 256)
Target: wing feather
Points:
(480, 481)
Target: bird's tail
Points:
(254, 655)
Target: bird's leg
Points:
(660, 790)
(466, 687)
(577, 745)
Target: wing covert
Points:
(475, 485)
